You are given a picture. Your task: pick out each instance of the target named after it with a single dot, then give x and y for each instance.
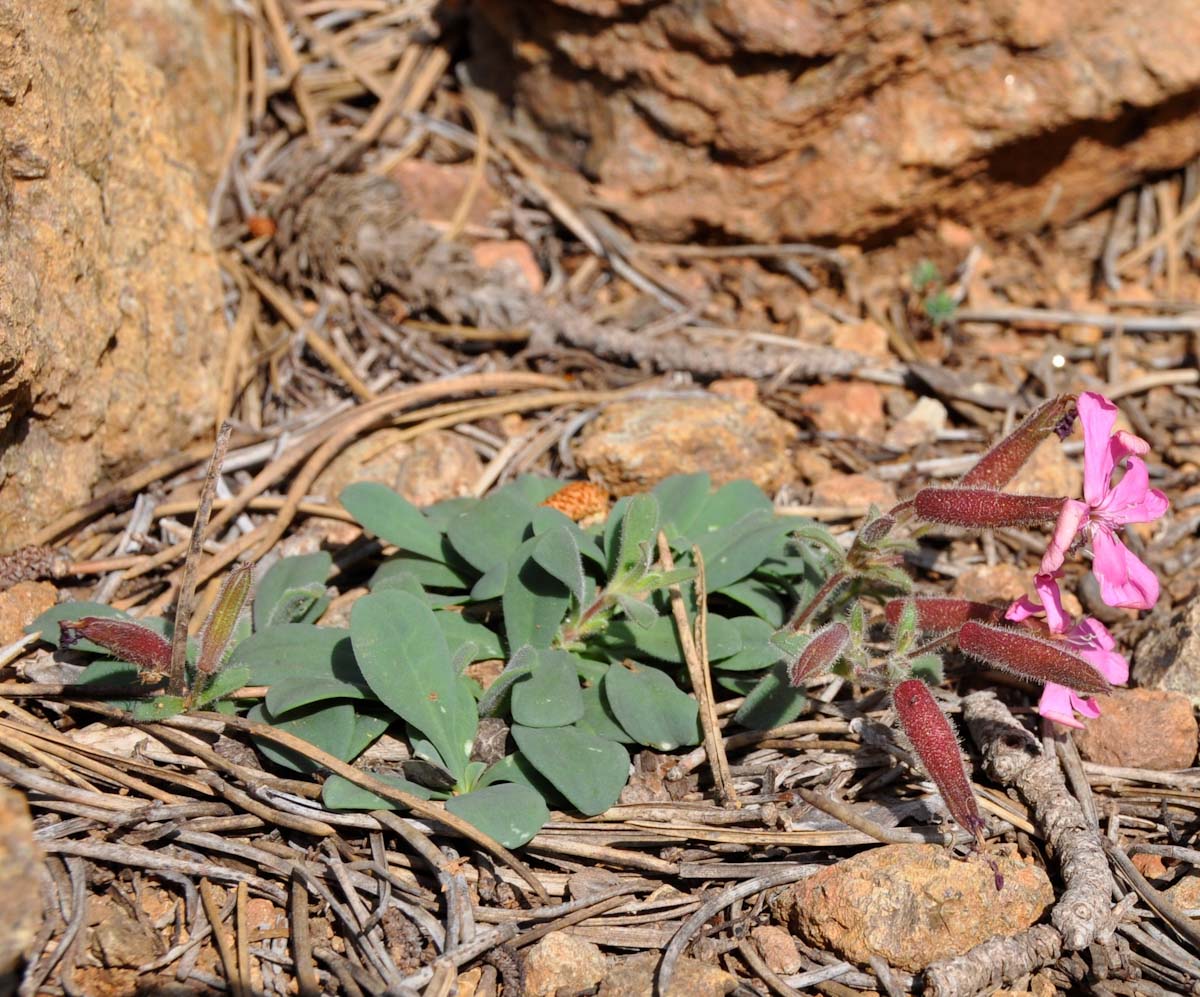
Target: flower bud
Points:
(982, 508)
(820, 654)
(218, 629)
(938, 615)
(999, 465)
(1031, 657)
(932, 737)
(124, 639)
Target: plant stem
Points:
(823, 593)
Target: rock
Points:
(1000, 583)
(20, 606)
(920, 424)
(778, 949)
(110, 295)
(635, 444)
(1168, 655)
(561, 960)
(1150, 866)
(847, 491)
(511, 258)
(913, 904)
(1049, 471)
(1141, 729)
(467, 984)
(812, 466)
(433, 466)
(20, 887)
(634, 976)
(868, 338)
(1185, 894)
(773, 120)
(743, 388)
(118, 938)
(435, 190)
(191, 44)
(847, 409)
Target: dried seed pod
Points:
(1031, 657)
(939, 615)
(127, 640)
(579, 500)
(218, 629)
(933, 739)
(1000, 465)
(820, 653)
(981, 508)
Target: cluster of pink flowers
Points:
(1124, 580)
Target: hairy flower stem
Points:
(815, 603)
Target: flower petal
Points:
(1123, 444)
(1125, 582)
(1056, 703)
(1132, 500)
(1047, 590)
(1070, 522)
(1022, 610)
(1098, 416)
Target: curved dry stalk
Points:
(994, 963)
(1013, 757)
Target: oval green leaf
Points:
(652, 708)
(589, 771)
(508, 813)
(392, 517)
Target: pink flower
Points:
(1124, 580)
(1088, 637)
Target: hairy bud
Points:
(982, 508)
(932, 737)
(218, 629)
(999, 465)
(820, 654)
(939, 615)
(125, 639)
(1031, 657)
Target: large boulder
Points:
(770, 120)
(111, 328)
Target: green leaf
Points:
(635, 552)
(598, 717)
(392, 518)
(549, 696)
(545, 518)
(589, 771)
(328, 726)
(682, 497)
(487, 534)
(275, 596)
(223, 683)
(534, 601)
(772, 702)
(652, 708)
(496, 699)
(557, 552)
(728, 505)
(404, 658)
(297, 651)
(292, 693)
(431, 574)
(159, 708)
(508, 813)
(661, 641)
(758, 596)
(515, 768)
(732, 553)
(642, 614)
(341, 794)
(927, 667)
(460, 630)
(110, 673)
(491, 583)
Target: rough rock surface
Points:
(1168, 654)
(1141, 729)
(561, 960)
(110, 295)
(634, 976)
(912, 904)
(20, 888)
(770, 120)
(20, 606)
(635, 444)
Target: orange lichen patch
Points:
(580, 500)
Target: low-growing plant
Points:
(577, 621)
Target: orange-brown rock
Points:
(19, 606)
(852, 409)
(912, 904)
(110, 297)
(20, 889)
(770, 120)
(853, 491)
(635, 444)
(1141, 729)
